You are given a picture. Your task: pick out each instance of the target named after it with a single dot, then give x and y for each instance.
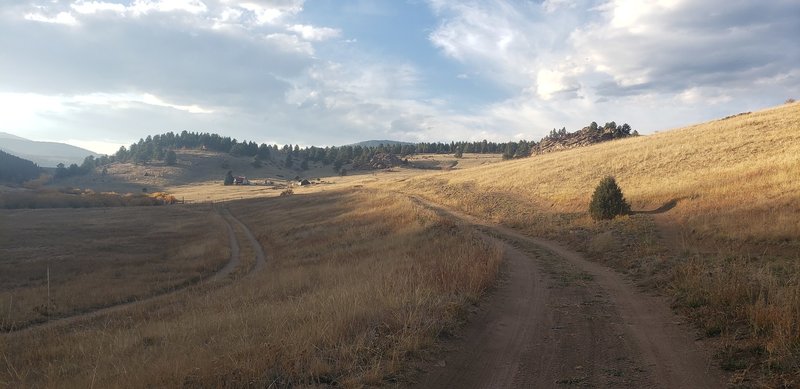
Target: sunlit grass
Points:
(356, 286)
(727, 251)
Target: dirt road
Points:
(223, 273)
(558, 320)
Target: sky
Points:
(104, 73)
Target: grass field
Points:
(99, 257)
(361, 281)
(358, 283)
(729, 249)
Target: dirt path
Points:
(558, 320)
(226, 271)
(260, 257)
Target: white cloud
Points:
(290, 43)
(554, 5)
(268, 12)
(552, 82)
(569, 60)
(142, 7)
(93, 7)
(64, 18)
(311, 33)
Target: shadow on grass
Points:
(662, 209)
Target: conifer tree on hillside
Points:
(17, 170)
(608, 201)
(171, 158)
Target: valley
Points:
(447, 272)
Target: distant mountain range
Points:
(44, 154)
(376, 143)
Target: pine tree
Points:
(608, 200)
(171, 158)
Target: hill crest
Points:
(45, 154)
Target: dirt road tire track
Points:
(259, 251)
(600, 332)
(224, 272)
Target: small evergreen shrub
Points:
(229, 178)
(608, 200)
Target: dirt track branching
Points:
(356, 285)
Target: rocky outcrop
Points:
(586, 136)
(380, 161)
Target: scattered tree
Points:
(608, 200)
(229, 178)
(171, 158)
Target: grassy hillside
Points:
(725, 242)
(721, 172)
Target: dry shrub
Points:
(603, 243)
(755, 301)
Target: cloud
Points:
(332, 73)
(311, 33)
(600, 55)
(64, 18)
(674, 46)
(93, 7)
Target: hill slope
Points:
(724, 171)
(718, 227)
(16, 170)
(46, 154)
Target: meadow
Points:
(358, 285)
(100, 257)
(725, 243)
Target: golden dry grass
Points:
(357, 284)
(743, 168)
(100, 257)
(728, 251)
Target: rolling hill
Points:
(45, 154)
(716, 224)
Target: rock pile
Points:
(583, 137)
(380, 161)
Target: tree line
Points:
(17, 170)
(161, 148)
